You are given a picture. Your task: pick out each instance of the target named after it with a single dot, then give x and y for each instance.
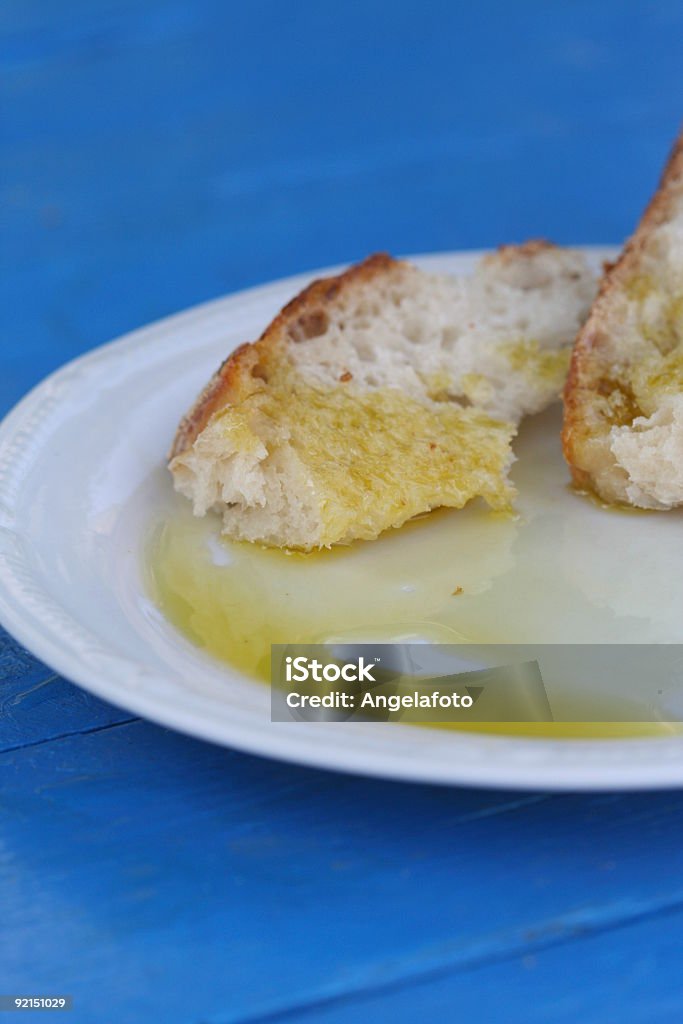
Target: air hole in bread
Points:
(365, 351)
(414, 333)
(310, 325)
(449, 336)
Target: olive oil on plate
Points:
(561, 571)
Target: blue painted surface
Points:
(157, 154)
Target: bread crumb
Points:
(457, 592)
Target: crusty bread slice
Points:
(623, 426)
(380, 394)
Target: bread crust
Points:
(230, 381)
(512, 251)
(588, 366)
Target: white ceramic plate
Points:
(81, 478)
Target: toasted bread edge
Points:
(225, 385)
(585, 366)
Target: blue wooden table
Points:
(156, 154)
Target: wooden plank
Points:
(37, 705)
(631, 975)
(244, 887)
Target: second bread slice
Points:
(623, 424)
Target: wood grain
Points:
(245, 887)
(36, 705)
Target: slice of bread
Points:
(623, 426)
(381, 394)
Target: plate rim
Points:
(520, 762)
